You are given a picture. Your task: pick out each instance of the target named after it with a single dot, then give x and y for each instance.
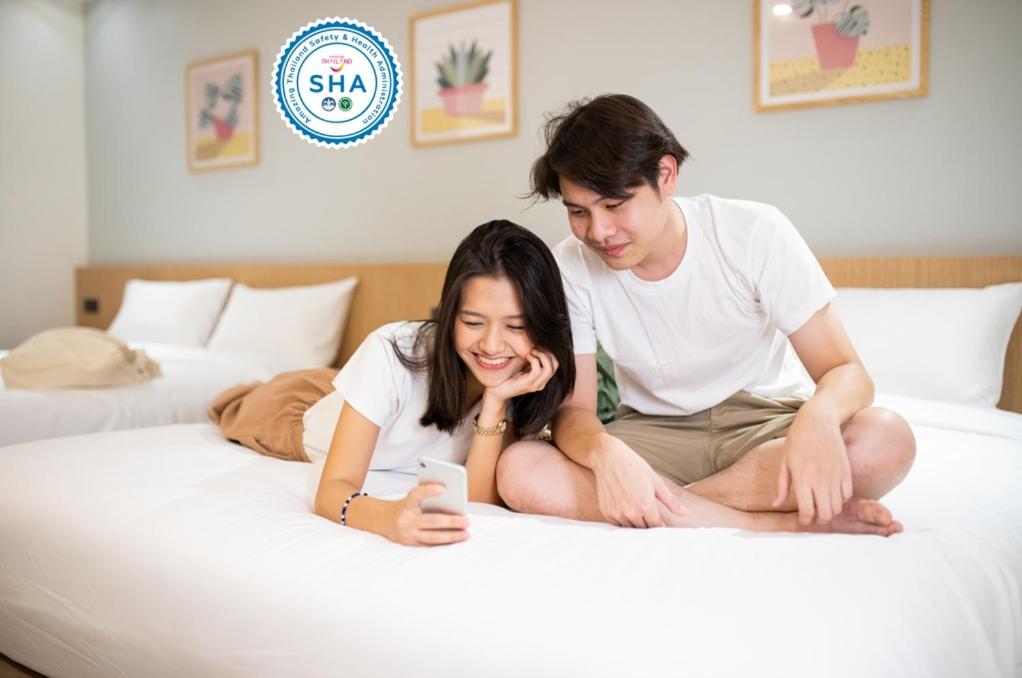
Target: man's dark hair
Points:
(498, 249)
(610, 144)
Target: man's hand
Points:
(629, 491)
(815, 464)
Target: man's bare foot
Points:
(861, 516)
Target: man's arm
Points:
(577, 430)
(627, 488)
(815, 460)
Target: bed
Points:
(243, 580)
(169, 551)
(194, 374)
(192, 377)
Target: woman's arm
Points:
(401, 520)
(485, 450)
(345, 471)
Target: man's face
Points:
(622, 231)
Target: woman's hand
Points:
(411, 527)
(541, 366)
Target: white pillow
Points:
(288, 327)
(170, 312)
(940, 344)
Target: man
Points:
(697, 301)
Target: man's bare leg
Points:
(881, 449)
(535, 477)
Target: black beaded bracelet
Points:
(344, 509)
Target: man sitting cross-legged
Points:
(697, 300)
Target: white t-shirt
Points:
(715, 326)
(380, 388)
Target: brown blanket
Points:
(268, 417)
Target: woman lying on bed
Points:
(493, 366)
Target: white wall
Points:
(935, 175)
(42, 164)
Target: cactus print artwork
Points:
(463, 73)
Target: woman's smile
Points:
(496, 363)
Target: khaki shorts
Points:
(687, 449)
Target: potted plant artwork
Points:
(461, 74)
(221, 121)
(224, 123)
(837, 38)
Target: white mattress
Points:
(169, 552)
(192, 377)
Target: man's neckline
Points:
(686, 246)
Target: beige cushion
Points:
(75, 357)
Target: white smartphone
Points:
(453, 477)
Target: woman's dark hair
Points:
(609, 145)
(498, 249)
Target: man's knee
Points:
(881, 448)
(516, 474)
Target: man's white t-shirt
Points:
(380, 388)
(715, 326)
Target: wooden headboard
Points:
(942, 272)
(388, 292)
(385, 292)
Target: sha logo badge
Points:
(336, 82)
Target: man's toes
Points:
(880, 514)
(873, 512)
(887, 530)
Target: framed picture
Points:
(464, 84)
(222, 112)
(829, 52)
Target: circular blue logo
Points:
(336, 82)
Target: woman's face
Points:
(489, 330)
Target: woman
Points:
(493, 366)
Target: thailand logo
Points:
(336, 82)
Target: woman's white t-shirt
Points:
(715, 326)
(380, 388)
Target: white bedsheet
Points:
(168, 552)
(192, 377)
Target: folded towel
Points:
(75, 357)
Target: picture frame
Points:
(222, 112)
(810, 53)
(463, 78)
